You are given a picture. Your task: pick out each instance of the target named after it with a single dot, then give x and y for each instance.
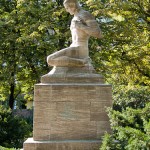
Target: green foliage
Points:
(130, 120)
(130, 96)
(3, 148)
(13, 129)
(30, 31)
(122, 56)
(125, 48)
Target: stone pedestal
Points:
(31, 144)
(70, 114)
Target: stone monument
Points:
(70, 101)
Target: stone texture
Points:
(102, 127)
(70, 111)
(84, 74)
(73, 130)
(98, 111)
(31, 144)
(73, 111)
(83, 26)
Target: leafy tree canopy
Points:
(125, 49)
(31, 30)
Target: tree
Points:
(13, 129)
(31, 30)
(124, 56)
(124, 60)
(129, 119)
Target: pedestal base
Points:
(70, 111)
(84, 75)
(30, 144)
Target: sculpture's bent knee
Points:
(50, 59)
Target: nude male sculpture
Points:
(83, 25)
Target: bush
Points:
(13, 129)
(3, 148)
(130, 120)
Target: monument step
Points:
(30, 144)
(72, 75)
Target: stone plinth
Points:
(31, 144)
(72, 75)
(70, 110)
(71, 115)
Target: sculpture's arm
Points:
(88, 24)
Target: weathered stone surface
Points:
(31, 144)
(70, 111)
(71, 91)
(72, 75)
(73, 130)
(45, 111)
(98, 111)
(73, 111)
(41, 134)
(102, 127)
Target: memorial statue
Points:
(74, 61)
(83, 25)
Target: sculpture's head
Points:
(71, 6)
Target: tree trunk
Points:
(11, 97)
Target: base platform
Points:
(30, 144)
(70, 110)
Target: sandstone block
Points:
(70, 111)
(31, 144)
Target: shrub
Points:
(3, 148)
(130, 120)
(13, 129)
